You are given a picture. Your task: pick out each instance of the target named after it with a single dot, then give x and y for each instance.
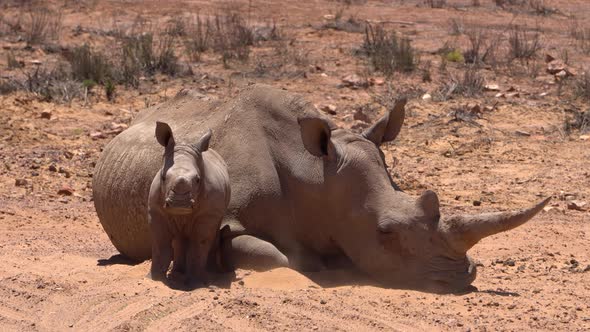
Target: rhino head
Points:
(180, 176)
(399, 240)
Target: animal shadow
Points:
(117, 259)
(499, 292)
(220, 280)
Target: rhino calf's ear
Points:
(316, 134)
(389, 126)
(163, 133)
(203, 143)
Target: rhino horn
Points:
(464, 231)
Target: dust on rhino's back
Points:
(126, 167)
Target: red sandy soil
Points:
(56, 270)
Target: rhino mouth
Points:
(179, 203)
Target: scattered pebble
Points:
(20, 182)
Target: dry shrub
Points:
(352, 24)
(470, 84)
(10, 24)
(232, 38)
(42, 24)
(483, 45)
(88, 64)
(387, 52)
(456, 26)
(582, 86)
(140, 56)
(12, 62)
(523, 44)
(435, 3)
(198, 37)
(577, 121)
(48, 84)
(581, 35)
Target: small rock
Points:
(329, 108)
(65, 172)
(509, 262)
(97, 134)
(52, 168)
(329, 17)
(118, 127)
(584, 137)
(46, 114)
(476, 203)
(492, 87)
(20, 182)
(522, 133)
(513, 95)
(378, 81)
(577, 205)
(66, 191)
(561, 74)
(427, 97)
(543, 94)
(36, 62)
(354, 81)
(499, 95)
(548, 58)
(361, 116)
(323, 302)
(68, 154)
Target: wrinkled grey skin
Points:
(187, 201)
(305, 194)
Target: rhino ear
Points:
(203, 143)
(430, 205)
(389, 126)
(163, 133)
(316, 134)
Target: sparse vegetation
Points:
(582, 86)
(435, 3)
(454, 56)
(88, 64)
(198, 38)
(456, 26)
(12, 62)
(42, 24)
(581, 35)
(471, 83)
(523, 44)
(232, 38)
(579, 120)
(483, 45)
(387, 52)
(351, 24)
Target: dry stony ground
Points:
(57, 269)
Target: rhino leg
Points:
(250, 252)
(179, 246)
(161, 247)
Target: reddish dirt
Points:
(57, 268)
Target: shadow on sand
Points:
(117, 259)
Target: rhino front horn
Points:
(464, 231)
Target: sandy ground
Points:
(59, 271)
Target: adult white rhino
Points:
(304, 193)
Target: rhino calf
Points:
(187, 201)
